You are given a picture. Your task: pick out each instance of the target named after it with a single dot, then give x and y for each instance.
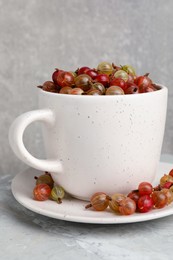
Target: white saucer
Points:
(74, 210)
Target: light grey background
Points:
(37, 36)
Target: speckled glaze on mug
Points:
(96, 143)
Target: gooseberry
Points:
(160, 199)
(49, 86)
(132, 89)
(145, 203)
(83, 81)
(92, 73)
(57, 193)
(41, 192)
(103, 79)
(118, 82)
(45, 178)
(127, 206)
(115, 200)
(114, 90)
(98, 86)
(76, 91)
(65, 90)
(55, 76)
(169, 195)
(144, 80)
(105, 68)
(165, 178)
(134, 195)
(82, 70)
(129, 69)
(171, 173)
(99, 201)
(94, 92)
(130, 78)
(121, 74)
(144, 89)
(65, 79)
(145, 188)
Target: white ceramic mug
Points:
(96, 143)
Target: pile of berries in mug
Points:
(143, 199)
(107, 79)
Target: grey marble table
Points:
(27, 235)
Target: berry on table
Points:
(41, 192)
(160, 199)
(127, 206)
(169, 195)
(145, 204)
(115, 201)
(171, 173)
(134, 195)
(141, 200)
(99, 201)
(45, 178)
(57, 194)
(145, 188)
(166, 178)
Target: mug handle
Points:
(16, 139)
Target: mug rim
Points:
(161, 88)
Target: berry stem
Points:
(146, 74)
(157, 188)
(59, 200)
(114, 66)
(48, 173)
(108, 197)
(88, 206)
